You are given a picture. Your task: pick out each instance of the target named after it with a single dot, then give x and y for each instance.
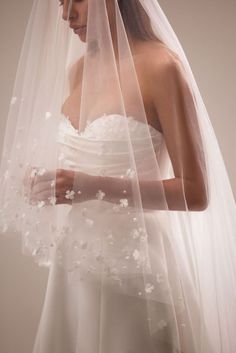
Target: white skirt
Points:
(88, 316)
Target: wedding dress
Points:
(71, 315)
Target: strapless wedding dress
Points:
(71, 320)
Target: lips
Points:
(80, 30)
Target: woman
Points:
(163, 67)
(102, 185)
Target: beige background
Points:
(207, 30)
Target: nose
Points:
(68, 13)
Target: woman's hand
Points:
(57, 187)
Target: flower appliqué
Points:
(149, 287)
(100, 195)
(124, 203)
(70, 194)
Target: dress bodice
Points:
(102, 148)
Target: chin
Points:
(82, 37)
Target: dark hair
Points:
(136, 20)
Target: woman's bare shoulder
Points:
(159, 58)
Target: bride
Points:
(116, 182)
(163, 66)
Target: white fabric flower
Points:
(135, 233)
(52, 200)
(100, 195)
(149, 288)
(41, 204)
(48, 115)
(136, 255)
(33, 172)
(70, 194)
(41, 171)
(159, 278)
(130, 173)
(124, 203)
(13, 100)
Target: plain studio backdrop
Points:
(207, 30)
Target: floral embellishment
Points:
(52, 200)
(130, 173)
(149, 288)
(48, 115)
(33, 173)
(136, 255)
(53, 183)
(100, 195)
(41, 171)
(124, 203)
(110, 238)
(41, 204)
(135, 233)
(13, 100)
(70, 194)
(162, 324)
(159, 278)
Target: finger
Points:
(45, 175)
(42, 199)
(43, 186)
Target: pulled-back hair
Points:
(136, 21)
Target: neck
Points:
(131, 40)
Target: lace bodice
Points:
(102, 148)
